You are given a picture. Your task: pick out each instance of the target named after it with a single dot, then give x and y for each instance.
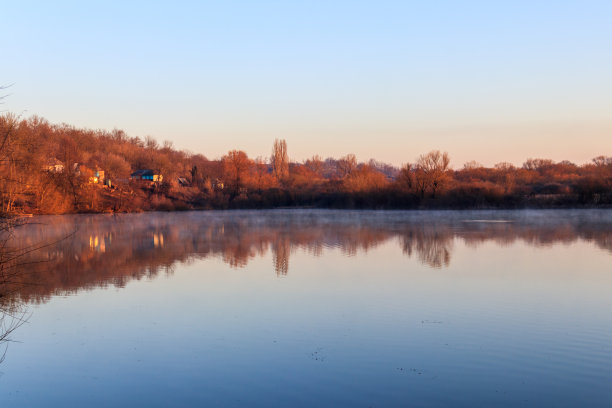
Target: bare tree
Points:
(15, 262)
(8, 184)
(601, 161)
(472, 165)
(12, 314)
(538, 164)
(2, 88)
(431, 172)
(347, 165)
(280, 160)
(315, 164)
(236, 165)
(405, 177)
(260, 173)
(151, 143)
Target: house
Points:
(94, 176)
(146, 175)
(54, 166)
(98, 176)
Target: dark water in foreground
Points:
(314, 308)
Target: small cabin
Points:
(97, 177)
(54, 166)
(146, 175)
(93, 176)
(99, 174)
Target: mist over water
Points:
(314, 307)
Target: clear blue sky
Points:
(483, 80)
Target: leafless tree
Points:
(471, 165)
(236, 165)
(538, 164)
(431, 172)
(347, 165)
(405, 178)
(12, 314)
(280, 160)
(2, 89)
(601, 161)
(315, 164)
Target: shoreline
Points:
(310, 208)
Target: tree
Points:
(280, 160)
(347, 164)
(365, 178)
(8, 162)
(432, 172)
(539, 165)
(315, 164)
(115, 166)
(11, 317)
(471, 165)
(194, 174)
(151, 143)
(2, 88)
(601, 161)
(236, 165)
(405, 178)
(504, 166)
(505, 175)
(261, 178)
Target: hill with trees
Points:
(56, 168)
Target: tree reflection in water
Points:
(12, 263)
(112, 250)
(432, 245)
(281, 249)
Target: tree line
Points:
(49, 168)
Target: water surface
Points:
(313, 308)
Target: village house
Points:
(54, 166)
(98, 177)
(146, 175)
(94, 176)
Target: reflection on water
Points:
(100, 250)
(312, 308)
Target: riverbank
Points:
(128, 200)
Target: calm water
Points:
(313, 308)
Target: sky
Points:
(489, 81)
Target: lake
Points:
(312, 308)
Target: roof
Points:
(54, 162)
(141, 173)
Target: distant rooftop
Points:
(141, 173)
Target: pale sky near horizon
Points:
(488, 81)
